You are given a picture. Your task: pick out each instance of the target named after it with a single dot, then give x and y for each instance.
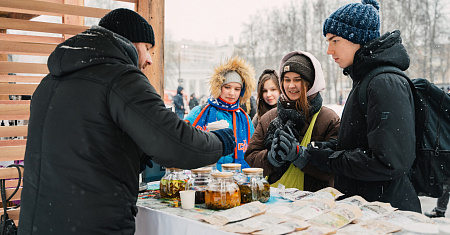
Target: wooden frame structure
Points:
(16, 15)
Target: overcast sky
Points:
(210, 20)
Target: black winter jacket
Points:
(93, 119)
(376, 152)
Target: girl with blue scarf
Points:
(231, 85)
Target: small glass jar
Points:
(200, 178)
(213, 167)
(254, 187)
(222, 192)
(172, 183)
(234, 168)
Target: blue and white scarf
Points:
(240, 121)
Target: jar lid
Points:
(252, 170)
(231, 166)
(202, 170)
(222, 174)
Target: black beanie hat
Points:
(299, 64)
(128, 24)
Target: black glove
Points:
(318, 153)
(226, 136)
(289, 147)
(147, 162)
(272, 155)
(293, 152)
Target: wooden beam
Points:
(153, 11)
(73, 19)
(14, 78)
(132, 1)
(42, 8)
(14, 112)
(30, 38)
(11, 153)
(34, 26)
(26, 48)
(17, 89)
(18, 67)
(10, 173)
(13, 142)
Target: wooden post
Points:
(3, 57)
(153, 12)
(70, 19)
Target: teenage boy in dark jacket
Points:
(94, 119)
(374, 153)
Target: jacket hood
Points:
(179, 89)
(96, 45)
(319, 81)
(385, 50)
(244, 69)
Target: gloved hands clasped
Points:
(286, 148)
(226, 136)
(319, 153)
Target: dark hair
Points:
(268, 74)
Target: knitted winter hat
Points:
(128, 24)
(232, 76)
(357, 22)
(300, 64)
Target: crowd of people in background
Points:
(88, 180)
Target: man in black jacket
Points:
(178, 102)
(94, 119)
(373, 154)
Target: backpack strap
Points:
(366, 80)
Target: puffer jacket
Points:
(93, 120)
(326, 127)
(375, 153)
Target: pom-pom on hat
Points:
(357, 22)
(128, 24)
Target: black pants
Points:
(442, 201)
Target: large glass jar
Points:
(253, 186)
(234, 168)
(172, 183)
(200, 178)
(222, 192)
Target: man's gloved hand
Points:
(291, 149)
(226, 136)
(272, 156)
(147, 162)
(318, 153)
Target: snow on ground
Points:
(337, 108)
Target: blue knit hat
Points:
(357, 22)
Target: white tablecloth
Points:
(150, 221)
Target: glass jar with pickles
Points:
(172, 183)
(234, 168)
(253, 186)
(198, 182)
(222, 192)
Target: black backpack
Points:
(431, 167)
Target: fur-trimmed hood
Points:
(244, 69)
